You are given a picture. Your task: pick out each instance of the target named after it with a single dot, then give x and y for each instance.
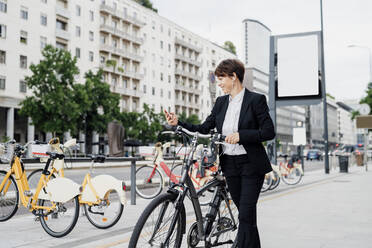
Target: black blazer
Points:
(255, 126)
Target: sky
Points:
(346, 22)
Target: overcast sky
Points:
(345, 22)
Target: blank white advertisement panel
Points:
(298, 66)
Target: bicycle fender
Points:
(103, 184)
(60, 189)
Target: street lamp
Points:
(370, 58)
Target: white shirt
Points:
(230, 124)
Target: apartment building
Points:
(145, 57)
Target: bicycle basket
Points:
(6, 152)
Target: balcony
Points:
(188, 45)
(181, 87)
(129, 92)
(110, 10)
(63, 34)
(122, 34)
(61, 11)
(184, 103)
(188, 60)
(188, 74)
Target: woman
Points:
(243, 116)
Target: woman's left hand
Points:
(232, 138)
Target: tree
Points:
(229, 46)
(145, 126)
(98, 105)
(147, 4)
(51, 107)
(192, 119)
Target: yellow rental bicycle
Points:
(55, 202)
(103, 196)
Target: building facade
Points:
(145, 57)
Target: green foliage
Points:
(229, 46)
(354, 114)
(5, 139)
(51, 83)
(147, 4)
(98, 105)
(192, 119)
(112, 63)
(145, 126)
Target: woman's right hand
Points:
(171, 118)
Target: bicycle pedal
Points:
(37, 219)
(54, 215)
(28, 193)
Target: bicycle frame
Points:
(21, 180)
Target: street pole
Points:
(324, 95)
(365, 148)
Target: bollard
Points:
(133, 182)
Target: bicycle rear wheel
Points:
(62, 220)
(153, 226)
(107, 214)
(292, 177)
(149, 182)
(276, 181)
(267, 183)
(9, 197)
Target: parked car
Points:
(314, 154)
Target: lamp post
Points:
(369, 84)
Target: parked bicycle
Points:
(103, 196)
(163, 222)
(289, 171)
(55, 201)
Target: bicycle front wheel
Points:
(60, 221)
(106, 214)
(149, 182)
(293, 176)
(34, 178)
(154, 224)
(9, 197)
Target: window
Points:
(91, 15)
(91, 35)
(153, 91)
(61, 25)
(161, 44)
(169, 78)
(23, 61)
(24, 13)
(169, 95)
(125, 12)
(161, 61)
(23, 37)
(2, 57)
(44, 1)
(2, 82)
(2, 31)
(102, 59)
(144, 88)
(161, 76)
(169, 47)
(103, 39)
(78, 10)
(3, 6)
(153, 25)
(43, 42)
(43, 19)
(169, 32)
(91, 56)
(61, 45)
(77, 52)
(161, 92)
(22, 86)
(78, 31)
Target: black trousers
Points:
(245, 187)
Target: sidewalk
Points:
(325, 211)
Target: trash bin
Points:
(359, 159)
(344, 163)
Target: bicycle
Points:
(55, 201)
(150, 180)
(158, 227)
(103, 197)
(290, 172)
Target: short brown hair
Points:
(228, 66)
